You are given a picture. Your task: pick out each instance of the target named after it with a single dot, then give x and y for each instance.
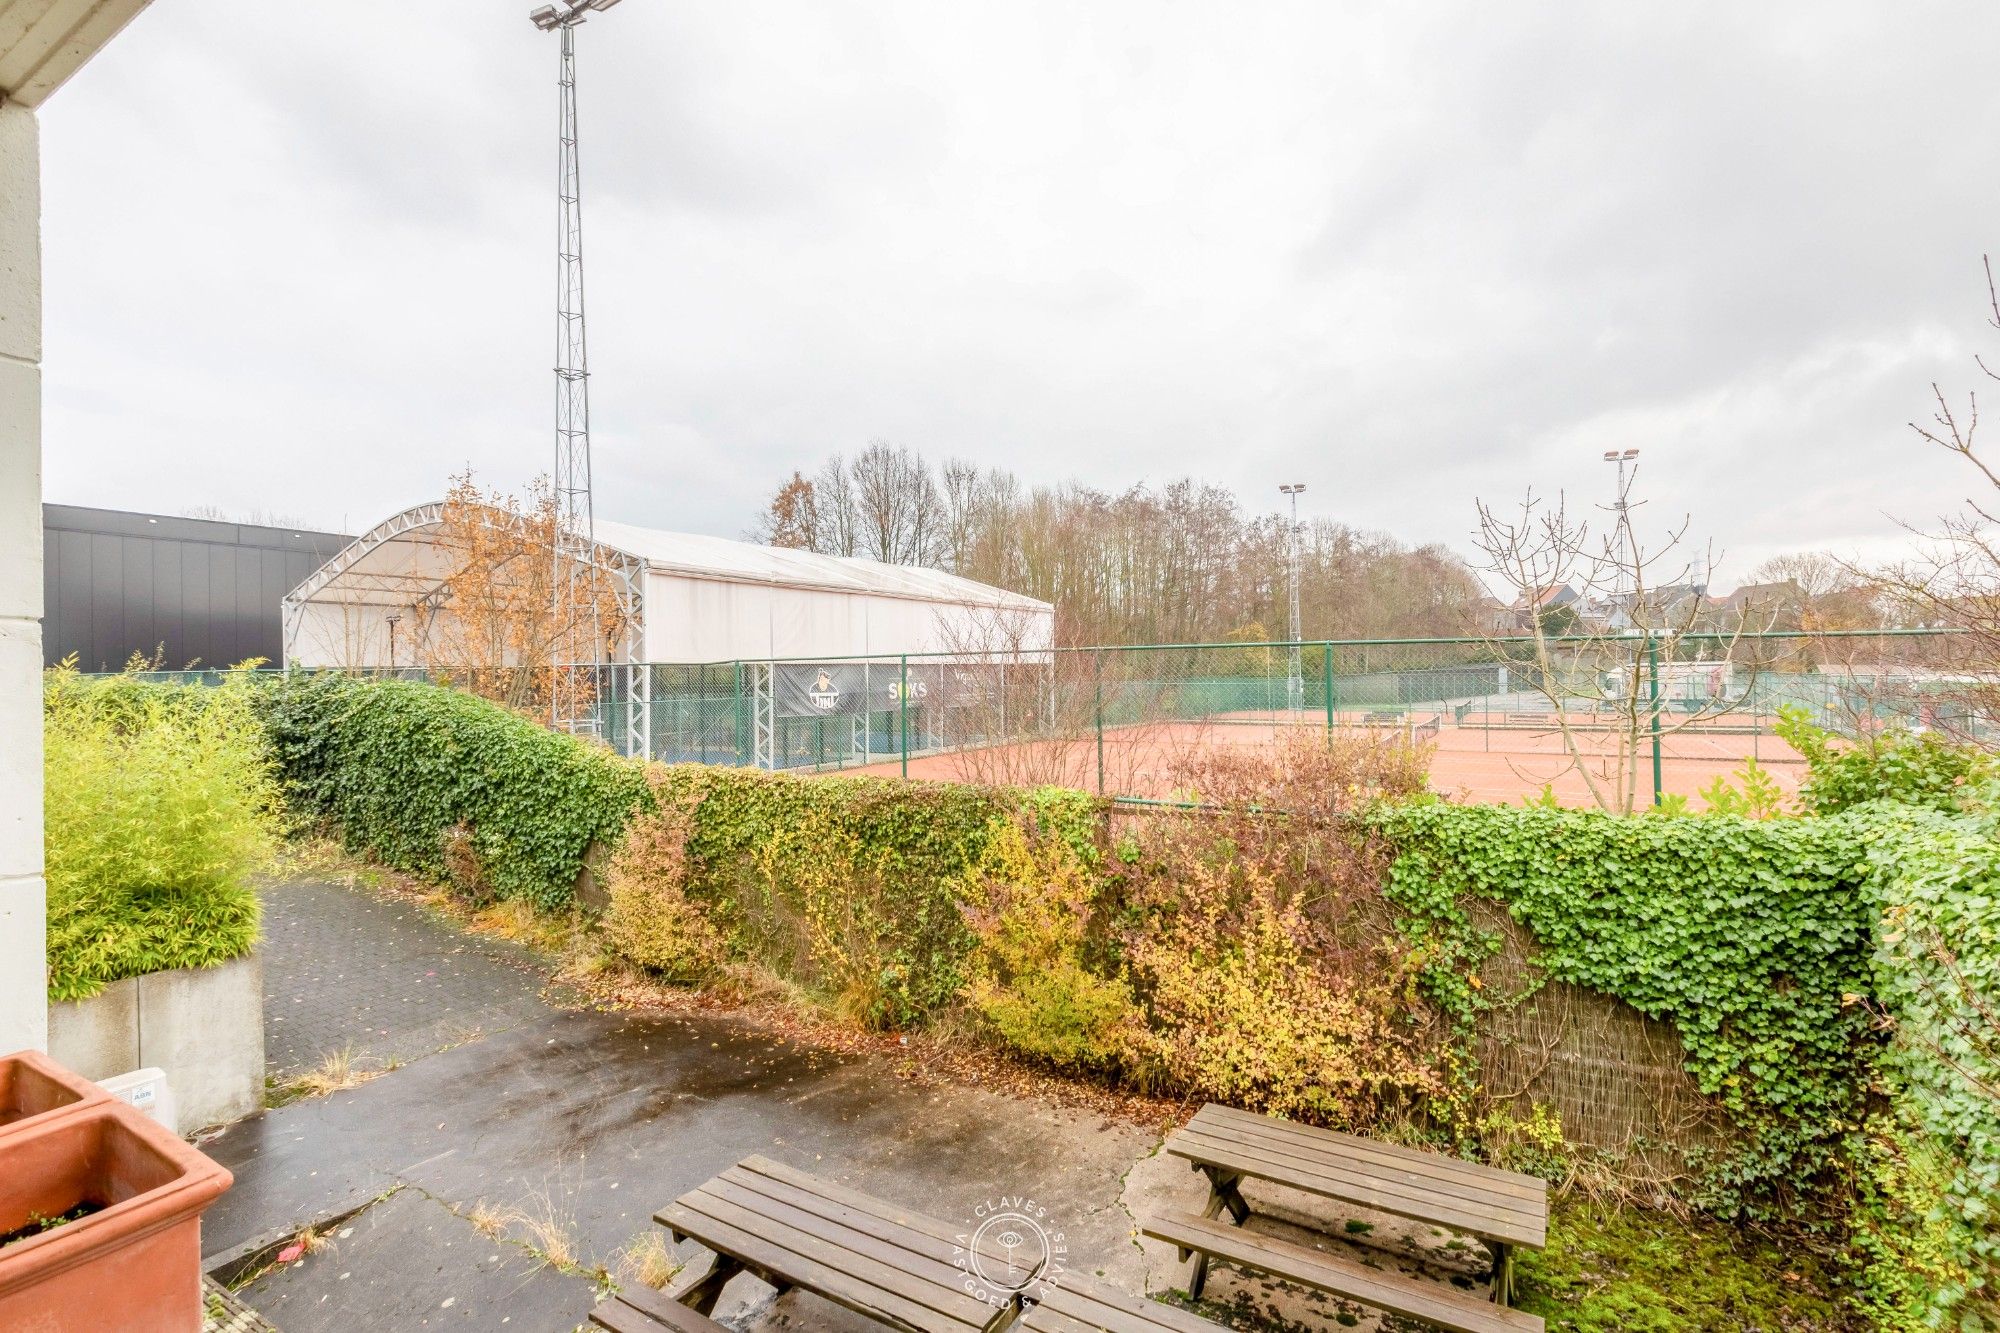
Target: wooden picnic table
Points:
(896, 1266)
(1501, 1208)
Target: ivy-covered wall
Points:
(1745, 935)
(1927, 1222)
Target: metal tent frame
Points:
(625, 671)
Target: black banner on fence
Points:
(845, 689)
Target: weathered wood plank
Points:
(777, 1261)
(909, 1231)
(643, 1311)
(853, 1198)
(860, 1259)
(890, 1250)
(1528, 1188)
(1413, 1298)
(1192, 1143)
(1355, 1183)
(1084, 1305)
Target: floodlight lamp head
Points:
(1610, 455)
(566, 13)
(1631, 454)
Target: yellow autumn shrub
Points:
(1245, 1010)
(1028, 903)
(651, 921)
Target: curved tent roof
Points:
(390, 559)
(697, 556)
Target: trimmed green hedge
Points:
(1743, 934)
(398, 765)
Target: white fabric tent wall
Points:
(691, 619)
(702, 599)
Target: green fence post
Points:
(903, 710)
(1653, 692)
(1097, 674)
(1327, 648)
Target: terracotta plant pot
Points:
(135, 1264)
(32, 1086)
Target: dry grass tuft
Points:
(312, 1241)
(646, 1262)
(487, 1220)
(337, 1072)
(542, 1226)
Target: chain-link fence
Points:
(1617, 720)
(1587, 716)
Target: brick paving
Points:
(344, 968)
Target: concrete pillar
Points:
(24, 1011)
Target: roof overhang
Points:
(43, 42)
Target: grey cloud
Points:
(299, 257)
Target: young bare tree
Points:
(489, 627)
(838, 528)
(1633, 662)
(1815, 591)
(1953, 581)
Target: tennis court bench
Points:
(1433, 1302)
(642, 1310)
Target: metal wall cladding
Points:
(186, 590)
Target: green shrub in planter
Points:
(161, 807)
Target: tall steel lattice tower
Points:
(577, 638)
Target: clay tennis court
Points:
(1484, 758)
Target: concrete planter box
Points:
(204, 1027)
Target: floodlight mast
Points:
(1621, 540)
(575, 613)
(1295, 679)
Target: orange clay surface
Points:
(1477, 761)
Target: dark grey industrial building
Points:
(191, 590)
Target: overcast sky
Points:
(299, 257)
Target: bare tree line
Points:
(1181, 562)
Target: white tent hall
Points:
(690, 599)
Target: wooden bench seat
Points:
(885, 1262)
(1414, 1298)
(1501, 1206)
(641, 1310)
(1078, 1304)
